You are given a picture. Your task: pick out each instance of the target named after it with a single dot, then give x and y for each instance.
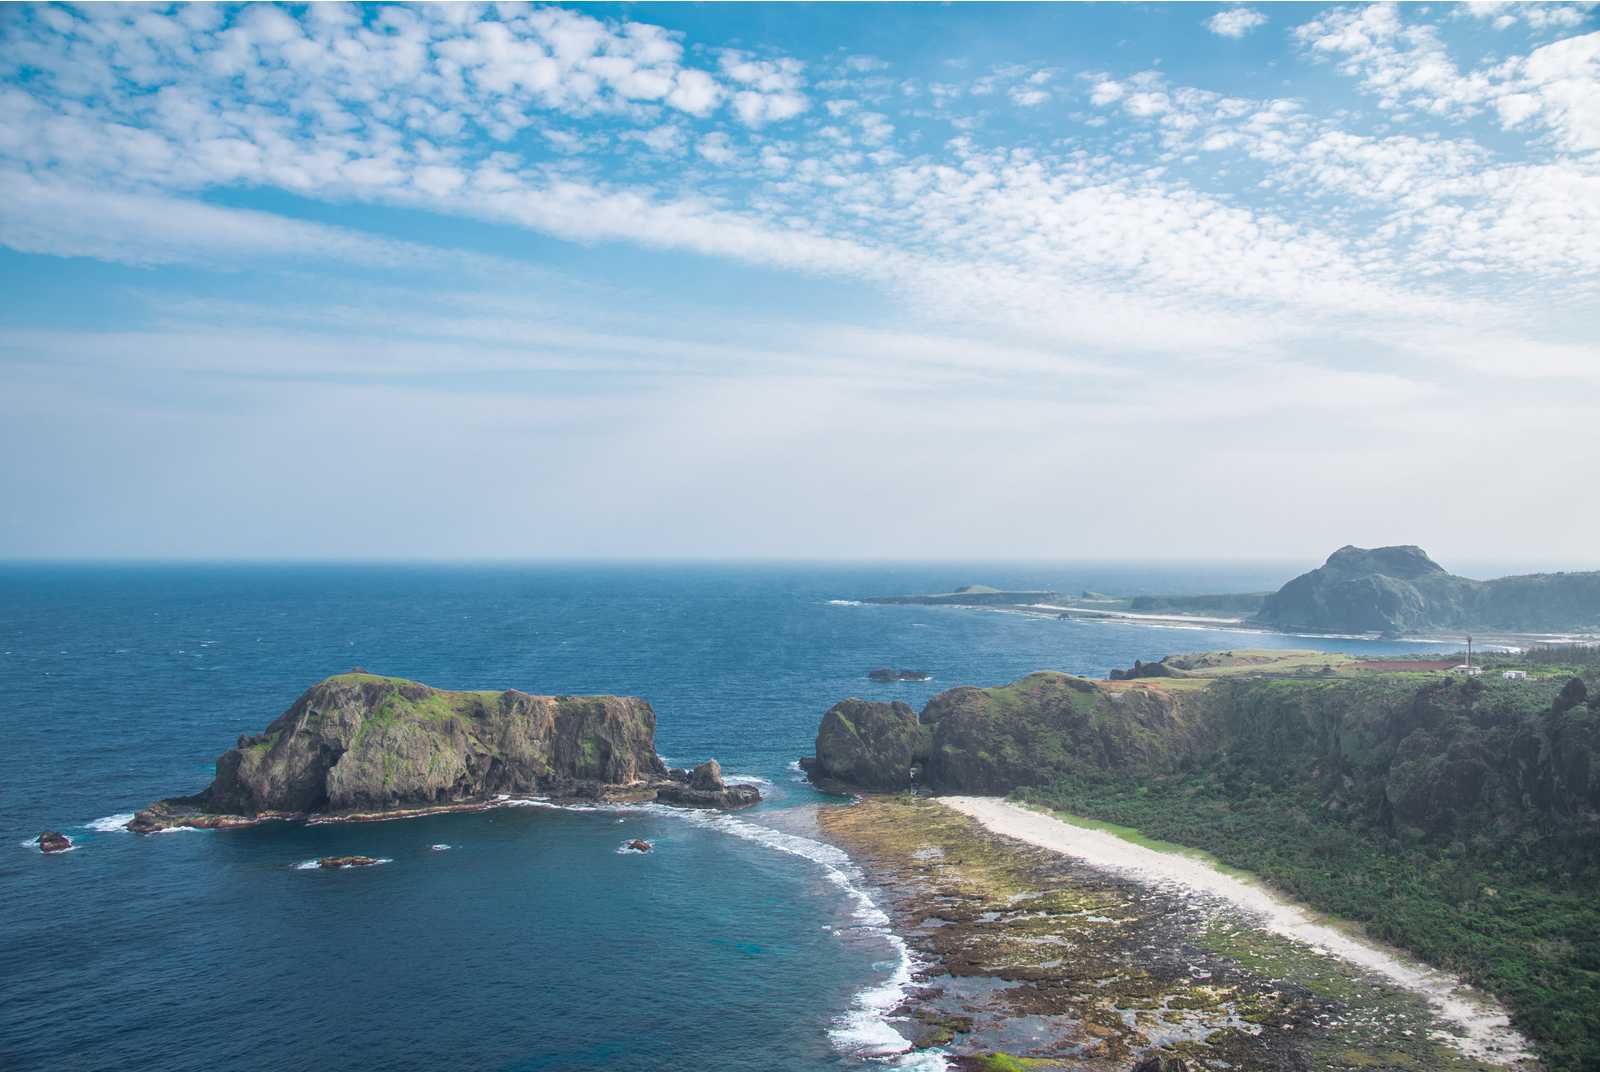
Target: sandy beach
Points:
(1485, 1031)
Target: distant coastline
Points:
(1383, 593)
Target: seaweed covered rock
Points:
(361, 743)
(866, 744)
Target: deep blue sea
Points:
(530, 943)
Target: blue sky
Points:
(799, 281)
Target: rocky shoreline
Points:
(1031, 956)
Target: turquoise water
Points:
(529, 943)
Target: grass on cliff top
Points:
(1006, 698)
(364, 678)
(436, 705)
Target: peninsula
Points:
(361, 746)
(1454, 815)
(1387, 591)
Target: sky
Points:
(790, 281)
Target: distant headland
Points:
(1388, 591)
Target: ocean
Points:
(515, 939)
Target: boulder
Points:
(639, 845)
(54, 841)
(333, 863)
(707, 775)
(1161, 1062)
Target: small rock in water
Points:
(639, 845)
(54, 841)
(439, 848)
(335, 862)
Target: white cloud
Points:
(40, 215)
(716, 148)
(1408, 66)
(1106, 91)
(1504, 14)
(1235, 22)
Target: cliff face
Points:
(1440, 757)
(869, 745)
(1402, 590)
(358, 742)
(1436, 756)
(971, 740)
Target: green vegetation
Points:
(1004, 1062)
(1454, 817)
(406, 701)
(1241, 604)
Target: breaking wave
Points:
(110, 823)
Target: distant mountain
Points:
(1402, 590)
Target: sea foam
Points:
(110, 823)
(864, 1031)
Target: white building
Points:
(1468, 669)
(1514, 675)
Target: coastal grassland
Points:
(1258, 661)
(1035, 961)
(1454, 818)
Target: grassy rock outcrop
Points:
(973, 740)
(996, 739)
(866, 744)
(359, 744)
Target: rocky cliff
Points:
(1402, 590)
(972, 740)
(359, 743)
(1434, 753)
(867, 744)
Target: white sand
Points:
(1485, 1031)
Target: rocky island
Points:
(1454, 815)
(363, 746)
